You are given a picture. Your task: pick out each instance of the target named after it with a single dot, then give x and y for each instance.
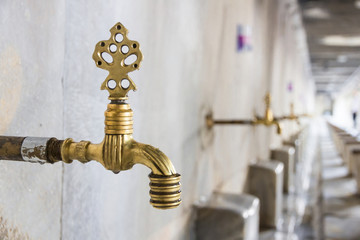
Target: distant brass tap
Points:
(118, 151)
(292, 115)
(306, 115)
(268, 119)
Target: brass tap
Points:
(118, 151)
(292, 115)
(292, 112)
(268, 120)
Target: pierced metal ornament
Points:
(118, 55)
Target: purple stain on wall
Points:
(240, 42)
(243, 34)
(290, 87)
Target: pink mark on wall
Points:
(243, 38)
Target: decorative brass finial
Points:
(118, 55)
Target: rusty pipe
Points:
(164, 181)
(210, 121)
(30, 149)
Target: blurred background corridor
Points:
(256, 103)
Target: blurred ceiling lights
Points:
(357, 4)
(341, 41)
(342, 59)
(333, 37)
(316, 13)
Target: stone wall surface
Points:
(50, 86)
(31, 104)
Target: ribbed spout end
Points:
(165, 191)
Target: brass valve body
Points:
(119, 119)
(119, 151)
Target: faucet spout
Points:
(278, 127)
(164, 181)
(268, 119)
(149, 156)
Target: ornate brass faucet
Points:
(118, 151)
(268, 119)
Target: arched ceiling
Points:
(333, 35)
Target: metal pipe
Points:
(230, 122)
(210, 122)
(30, 149)
(10, 148)
(267, 120)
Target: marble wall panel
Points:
(50, 86)
(31, 104)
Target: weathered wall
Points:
(31, 104)
(191, 67)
